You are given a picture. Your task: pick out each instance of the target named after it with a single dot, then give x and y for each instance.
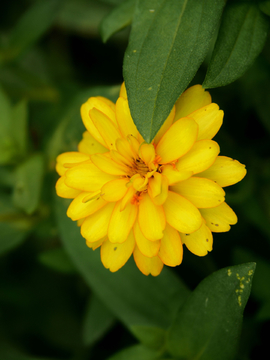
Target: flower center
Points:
(139, 167)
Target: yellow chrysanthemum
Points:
(131, 197)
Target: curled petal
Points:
(171, 249)
(209, 119)
(203, 193)
(225, 171)
(95, 227)
(121, 222)
(114, 256)
(147, 248)
(219, 218)
(191, 100)
(69, 159)
(158, 188)
(200, 242)
(114, 190)
(146, 264)
(177, 141)
(65, 191)
(174, 175)
(181, 214)
(79, 208)
(200, 157)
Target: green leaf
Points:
(241, 38)
(168, 42)
(265, 7)
(19, 122)
(117, 19)
(30, 27)
(58, 260)
(208, 325)
(14, 227)
(98, 321)
(131, 296)
(136, 352)
(7, 150)
(28, 184)
(150, 336)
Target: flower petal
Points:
(123, 91)
(107, 165)
(166, 125)
(64, 191)
(200, 157)
(146, 247)
(219, 218)
(105, 127)
(151, 219)
(200, 242)
(121, 222)
(177, 141)
(95, 227)
(89, 145)
(158, 188)
(69, 159)
(171, 249)
(225, 171)
(87, 177)
(79, 208)
(191, 100)
(201, 192)
(146, 264)
(111, 105)
(181, 214)
(114, 256)
(114, 190)
(173, 175)
(91, 103)
(96, 244)
(147, 153)
(124, 119)
(209, 119)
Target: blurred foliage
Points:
(56, 299)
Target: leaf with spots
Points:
(208, 325)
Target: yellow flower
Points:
(131, 197)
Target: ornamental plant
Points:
(127, 251)
(148, 199)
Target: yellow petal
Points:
(201, 192)
(171, 249)
(220, 218)
(110, 103)
(151, 219)
(147, 153)
(95, 227)
(96, 244)
(166, 125)
(146, 264)
(114, 190)
(107, 165)
(124, 148)
(174, 175)
(181, 214)
(114, 256)
(127, 198)
(209, 119)
(146, 247)
(87, 177)
(200, 157)
(91, 103)
(177, 141)
(78, 208)
(89, 145)
(123, 91)
(158, 188)
(106, 128)
(121, 222)
(124, 119)
(200, 242)
(191, 100)
(120, 159)
(69, 159)
(64, 191)
(225, 171)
